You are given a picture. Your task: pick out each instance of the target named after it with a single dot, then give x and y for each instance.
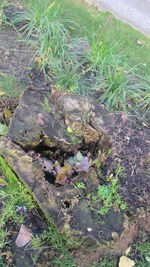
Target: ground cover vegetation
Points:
(81, 56)
(82, 52)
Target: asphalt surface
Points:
(134, 12)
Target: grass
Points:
(144, 103)
(107, 261)
(9, 85)
(141, 254)
(12, 195)
(85, 51)
(92, 22)
(52, 239)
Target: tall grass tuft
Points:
(144, 101)
(93, 67)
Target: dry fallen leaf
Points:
(2, 93)
(24, 236)
(124, 117)
(69, 130)
(139, 42)
(38, 60)
(61, 178)
(144, 124)
(128, 250)
(62, 174)
(3, 182)
(126, 262)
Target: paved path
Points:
(134, 12)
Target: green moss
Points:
(74, 136)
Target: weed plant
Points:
(109, 195)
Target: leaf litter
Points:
(24, 236)
(64, 169)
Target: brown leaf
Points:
(24, 236)
(61, 178)
(124, 117)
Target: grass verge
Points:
(85, 51)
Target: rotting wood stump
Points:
(66, 132)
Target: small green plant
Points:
(110, 197)
(80, 185)
(108, 193)
(46, 105)
(141, 254)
